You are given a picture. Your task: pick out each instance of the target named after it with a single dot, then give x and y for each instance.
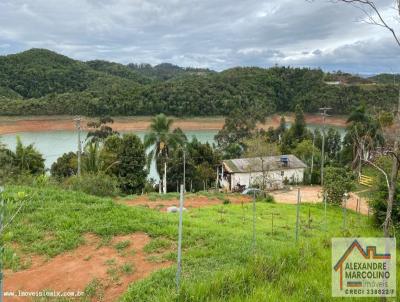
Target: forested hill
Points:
(39, 81)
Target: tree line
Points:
(43, 82)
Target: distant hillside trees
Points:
(41, 82)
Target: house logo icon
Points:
(363, 267)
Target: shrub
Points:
(65, 166)
(94, 184)
(378, 203)
(337, 181)
(269, 198)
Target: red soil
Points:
(314, 195)
(190, 202)
(73, 271)
(56, 123)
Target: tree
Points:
(375, 17)
(333, 143)
(65, 166)
(99, 131)
(238, 126)
(7, 163)
(337, 181)
(311, 155)
(201, 163)
(92, 160)
(28, 159)
(297, 132)
(299, 126)
(132, 170)
(365, 135)
(258, 146)
(163, 141)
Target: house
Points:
(270, 172)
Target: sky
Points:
(216, 34)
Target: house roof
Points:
(255, 164)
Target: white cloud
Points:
(216, 34)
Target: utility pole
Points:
(312, 157)
(184, 170)
(78, 128)
(216, 181)
(324, 115)
(179, 264)
(298, 214)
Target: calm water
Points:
(52, 144)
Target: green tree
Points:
(132, 170)
(310, 155)
(163, 141)
(333, 143)
(65, 166)
(201, 163)
(100, 130)
(299, 126)
(28, 159)
(258, 146)
(362, 137)
(7, 163)
(337, 181)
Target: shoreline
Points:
(17, 124)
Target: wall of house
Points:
(273, 179)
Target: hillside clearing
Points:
(110, 267)
(219, 262)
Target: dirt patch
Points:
(313, 194)
(312, 119)
(107, 268)
(190, 202)
(59, 123)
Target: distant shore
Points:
(17, 124)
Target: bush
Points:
(94, 184)
(337, 181)
(378, 203)
(269, 198)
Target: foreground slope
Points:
(220, 262)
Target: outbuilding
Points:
(270, 172)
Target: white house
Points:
(270, 172)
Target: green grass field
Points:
(219, 260)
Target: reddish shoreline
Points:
(9, 125)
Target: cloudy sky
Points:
(218, 34)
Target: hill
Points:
(40, 81)
(167, 71)
(220, 262)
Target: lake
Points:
(52, 144)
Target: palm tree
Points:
(163, 141)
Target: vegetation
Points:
(39, 81)
(337, 182)
(163, 141)
(221, 267)
(95, 184)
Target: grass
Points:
(127, 268)
(157, 245)
(219, 262)
(122, 245)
